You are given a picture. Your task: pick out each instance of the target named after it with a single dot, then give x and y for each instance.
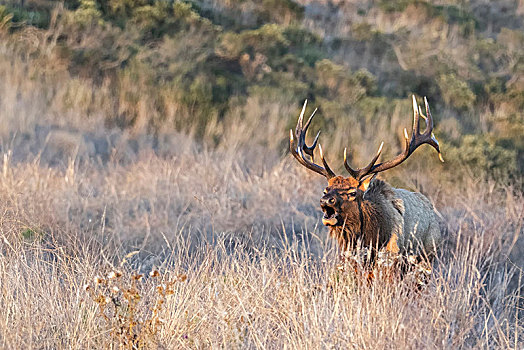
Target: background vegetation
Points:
(204, 67)
(142, 134)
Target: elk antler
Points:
(301, 148)
(411, 145)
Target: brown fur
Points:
(374, 214)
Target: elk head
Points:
(343, 197)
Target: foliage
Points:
(5, 19)
(456, 92)
(87, 14)
(485, 155)
(190, 65)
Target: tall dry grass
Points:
(252, 281)
(78, 201)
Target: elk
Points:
(361, 208)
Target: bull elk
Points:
(361, 208)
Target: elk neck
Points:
(366, 219)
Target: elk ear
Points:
(364, 184)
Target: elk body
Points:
(361, 208)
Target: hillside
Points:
(206, 67)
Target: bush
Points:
(5, 19)
(456, 92)
(87, 14)
(335, 80)
(184, 64)
(484, 156)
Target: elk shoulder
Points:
(411, 215)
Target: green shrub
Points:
(5, 19)
(456, 92)
(279, 11)
(123, 8)
(268, 40)
(37, 16)
(87, 14)
(484, 156)
(334, 80)
(394, 5)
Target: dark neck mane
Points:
(367, 220)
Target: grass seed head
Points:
(114, 274)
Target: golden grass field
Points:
(114, 239)
(260, 271)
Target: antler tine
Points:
(353, 173)
(416, 117)
(310, 118)
(302, 147)
(361, 172)
(411, 144)
(326, 166)
(373, 161)
(429, 130)
(297, 153)
(429, 117)
(309, 149)
(300, 128)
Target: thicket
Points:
(151, 66)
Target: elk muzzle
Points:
(329, 207)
